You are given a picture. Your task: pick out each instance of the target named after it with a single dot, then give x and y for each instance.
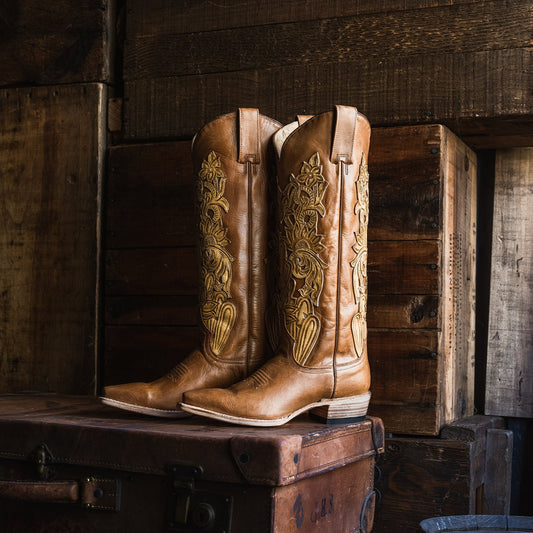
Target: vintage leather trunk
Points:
(68, 463)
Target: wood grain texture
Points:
(151, 271)
(52, 145)
(423, 478)
(134, 353)
(393, 33)
(180, 16)
(421, 287)
(64, 41)
(509, 378)
(150, 196)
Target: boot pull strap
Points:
(249, 136)
(303, 118)
(343, 141)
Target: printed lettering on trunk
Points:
(359, 274)
(302, 269)
(217, 312)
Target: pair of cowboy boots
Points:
(284, 325)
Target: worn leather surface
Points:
(332, 367)
(238, 211)
(81, 431)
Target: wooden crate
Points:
(64, 41)
(52, 146)
(151, 304)
(465, 64)
(421, 271)
(465, 471)
(509, 374)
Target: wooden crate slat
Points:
(448, 29)
(509, 379)
(403, 267)
(151, 271)
(52, 151)
(462, 90)
(145, 353)
(150, 196)
(152, 310)
(396, 311)
(64, 41)
(403, 373)
(180, 16)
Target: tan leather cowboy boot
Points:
(322, 362)
(233, 161)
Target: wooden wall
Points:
(97, 278)
(56, 74)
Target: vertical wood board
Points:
(52, 143)
(509, 390)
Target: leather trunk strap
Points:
(92, 493)
(343, 141)
(249, 150)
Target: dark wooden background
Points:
(99, 100)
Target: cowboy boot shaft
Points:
(323, 185)
(233, 165)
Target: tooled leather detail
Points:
(178, 372)
(260, 378)
(302, 269)
(217, 312)
(358, 263)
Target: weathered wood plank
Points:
(462, 90)
(405, 372)
(151, 271)
(180, 16)
(459, 219)
(52, 146)
(426, 478)
(64, 41)
(403, 267)
(509, 379)
(498, 472)
(145, 353)
(150, 196)
(403, 311)
(148, 310)
(450, 29)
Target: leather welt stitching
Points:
(217, 312)
(302, 275)
(358, 263)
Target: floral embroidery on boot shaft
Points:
(359, 273)
(300, 247)
(217, 312)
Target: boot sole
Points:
(333, 411)
(151, 411)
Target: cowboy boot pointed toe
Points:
(233, 162)
(322, 364)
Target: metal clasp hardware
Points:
(42, 457)
(193, 510)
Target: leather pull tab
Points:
(303, 118)
(343, 140)
(249, 136)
